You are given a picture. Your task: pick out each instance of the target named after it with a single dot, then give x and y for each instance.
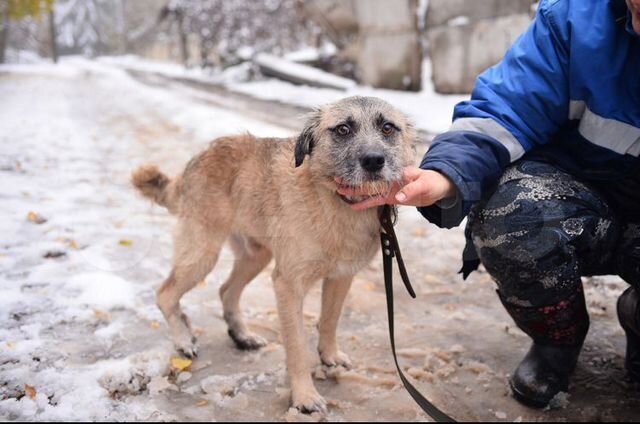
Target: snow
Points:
(304, 73)
(430, 111)
(101, 290)
(308, 54)
(62, 157)
(458, 21)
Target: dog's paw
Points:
(247, 341)
(309, 401)
(188, 347)
(335, 358)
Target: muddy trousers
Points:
(540, 231)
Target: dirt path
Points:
(82, 329)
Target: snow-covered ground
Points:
(81, 256)
(429, 110)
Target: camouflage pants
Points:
(540, 231)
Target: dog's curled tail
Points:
(155, 185)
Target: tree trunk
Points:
(122, 26)
(184, 52)
(52, 36)
(4, 28)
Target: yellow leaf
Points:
(101, 315)
(180, 364)
(125, 242)
(11, 345)
(420, 232)
(30, 391)
(73, 244)
(202, 402)
(155, 325)
(36, 218)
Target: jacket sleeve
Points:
(518, 104)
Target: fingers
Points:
(416, 192)
(411, 173)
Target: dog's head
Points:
(364, 141)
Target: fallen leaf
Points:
(420, 232)
(11, 345)
(73, 244)
(155, 325)
(125, 242)
(180, 364)
(30, 391)
(36, 218)
(101, 315)
(202, 402)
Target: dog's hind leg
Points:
(250, 259)
(334, 293)
(196, 251)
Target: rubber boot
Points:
(558, 332)
(629, 316)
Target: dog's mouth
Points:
(364, 191)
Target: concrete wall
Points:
(468, 36)
(442, 11)
(389, 53)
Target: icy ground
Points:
(81, 338)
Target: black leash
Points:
(390, 248)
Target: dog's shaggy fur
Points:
(276, 198)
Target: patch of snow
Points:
(458, 21)
(101, 290)
(303, 73)
(308, 54)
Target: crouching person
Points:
(544, 159)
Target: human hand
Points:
(419, 187)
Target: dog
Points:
(277, 198)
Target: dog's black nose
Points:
(372, 162)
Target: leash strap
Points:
(390, 248)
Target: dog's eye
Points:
(343, 130)
(388, 129)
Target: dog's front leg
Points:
(334, 293)
(290, 297)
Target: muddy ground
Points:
(68, 140)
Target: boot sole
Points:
(527, 400)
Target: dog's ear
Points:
(306, 139)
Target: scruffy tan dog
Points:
(269, 202)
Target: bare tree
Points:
(52, 36)
(4, 28)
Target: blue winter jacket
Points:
(567, 92)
